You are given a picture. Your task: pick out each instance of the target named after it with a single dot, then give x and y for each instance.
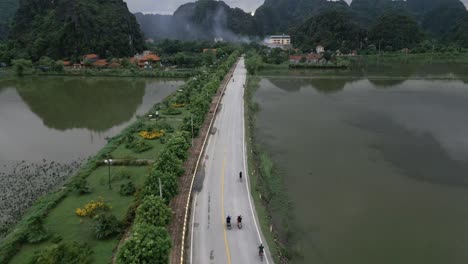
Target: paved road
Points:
(219, 192)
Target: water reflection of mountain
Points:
(94, 104)
(419, 155)
(321, 85)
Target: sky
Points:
(169, 6)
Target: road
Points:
(218, 191)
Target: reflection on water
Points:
(93, 104)
(375, 175)
(67, 118)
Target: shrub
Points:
(21, 65)
(147, 244)
(179, 144)
(121, 174)
(127, 189)
(168, 162)
(81, 186)
(36, 232)
(105, 226)
(169, 182)
(153, 211)
(91, 208)
(139, 145)
(171, 111)
(70, 253)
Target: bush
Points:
(105, 226)
(127, 189)
(179, 144)
(81, 186)
(37, 233)
(138, 145)
(153, 211)
(169, 182)
(21, 65)
(147, 244)
(70, 253)
(171, 111)
(121, 174)
(168, 162)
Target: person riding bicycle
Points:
(239, 219)
(228, 220)
(260, 249)
(240, 175)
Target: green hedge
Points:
(152, 213)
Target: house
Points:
(147, 60)
(295, 58)
(91, 57)
(218, 39)
(320, 49)
(149, 41)
(100, 63)
(115, 65)
(405, 50)
(66, 63)
(309, 58)
(209, 50)
(278, 41)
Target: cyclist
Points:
(260, 251)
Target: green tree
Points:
(253, 61)
(169, 182)
(333, 29)
(397, 31)
(168, 162)
(153, 211)
(147, 244)
(21, 65)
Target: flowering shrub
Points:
(90, 208)
(178, 105)
(151, 135)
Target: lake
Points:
(50, 125)
(375, 164)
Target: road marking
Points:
(248, 176)
(193, 223)
(226, 243)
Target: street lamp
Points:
(108, 161)
(191, 119)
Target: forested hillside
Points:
(70, 28)
(7, 12)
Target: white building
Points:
(320, 49)
(278, 41)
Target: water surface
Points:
(377, 170)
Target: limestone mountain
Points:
(69, 28)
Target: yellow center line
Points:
(223, 217)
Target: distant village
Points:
(150, 60)
(313, 57)
(146, 60)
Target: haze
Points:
(169, 6)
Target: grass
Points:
(63, 221)
(262, 212)
(121, 152)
